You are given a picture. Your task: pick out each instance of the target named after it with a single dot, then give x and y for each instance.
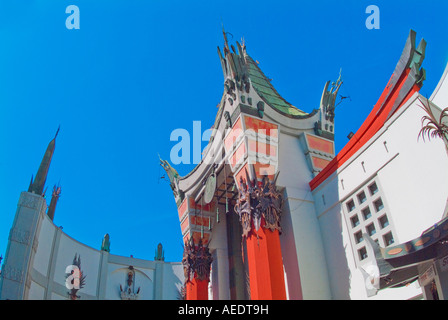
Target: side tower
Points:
(22, 242)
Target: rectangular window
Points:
(366, 213)
(371, 229)
(362, 197)
(354, 220)
(378, 205)
(362, 253)
(350, 206)
(384, 222)
(358, 237)
(373, 189)
(388, 239)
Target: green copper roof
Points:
(267, 91)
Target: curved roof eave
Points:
(187, 181)
(264, 88)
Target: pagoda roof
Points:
(248, 90)
(268, 93)
(406, 80)
(263, 87)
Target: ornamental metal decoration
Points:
(196, 260)
(259, 201)
(210, 188)
(75, 278)
(328, 100)
(128, 292)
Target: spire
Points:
(226, 43)
(37, 186)
(54, 200)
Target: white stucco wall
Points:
(105, 272)
(411, 174)
(440, 94)
(301, 240)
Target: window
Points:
(384, 222)
(358, 237)
(388, 239)
(366, 213)
(354, 220)
(362, 253)
(371, 229)
(373, 189)
(350, 205)
(378, 205)
(362, 197)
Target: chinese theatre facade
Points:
(263, 214)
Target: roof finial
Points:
(57, 131)
(226, 43)
(54, 199)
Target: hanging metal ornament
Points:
(225, 185)
(217, 212)
(202, 221)
(210, 188)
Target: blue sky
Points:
(137, 70)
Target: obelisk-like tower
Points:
(22, 241)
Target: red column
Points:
(260, 204)
(197, 289)
(265, 263)
(196, 262)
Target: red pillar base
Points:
(266, 276)
(197, 289)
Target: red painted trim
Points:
(182, 208)
(233, 136)
(317, 143)
(260, 126)
(376, 119)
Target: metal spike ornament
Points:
(256, 204)
(202, 221)
(217, 212)
(225, 184)
(196, 261)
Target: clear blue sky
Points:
(137, 70)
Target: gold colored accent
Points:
(422, 241)
(395, 251)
